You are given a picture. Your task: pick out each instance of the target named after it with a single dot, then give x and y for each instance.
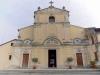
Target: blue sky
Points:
(15, 14)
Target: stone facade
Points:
(51, 42)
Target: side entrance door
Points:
(79, 59)
(25, 60)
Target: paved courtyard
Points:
(51, 72)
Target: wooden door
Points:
(25, 60)
(79, 59)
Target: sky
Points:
(15, 14)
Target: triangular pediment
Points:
(51, 9)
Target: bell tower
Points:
(51, 15)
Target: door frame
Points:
(54, 58)
(23, 60)
(81, 61)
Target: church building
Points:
(51, 42)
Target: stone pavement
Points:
(51, 72)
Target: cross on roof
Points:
(51, 2)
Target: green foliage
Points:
(35, 60)
(92, 62)
(69, 59)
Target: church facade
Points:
(51, 42)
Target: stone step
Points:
(51, 71)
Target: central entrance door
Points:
(25, 60)
(52, 58)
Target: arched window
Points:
(51, 41)
(51, 19)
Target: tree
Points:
(69, 61)
(35, 61)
